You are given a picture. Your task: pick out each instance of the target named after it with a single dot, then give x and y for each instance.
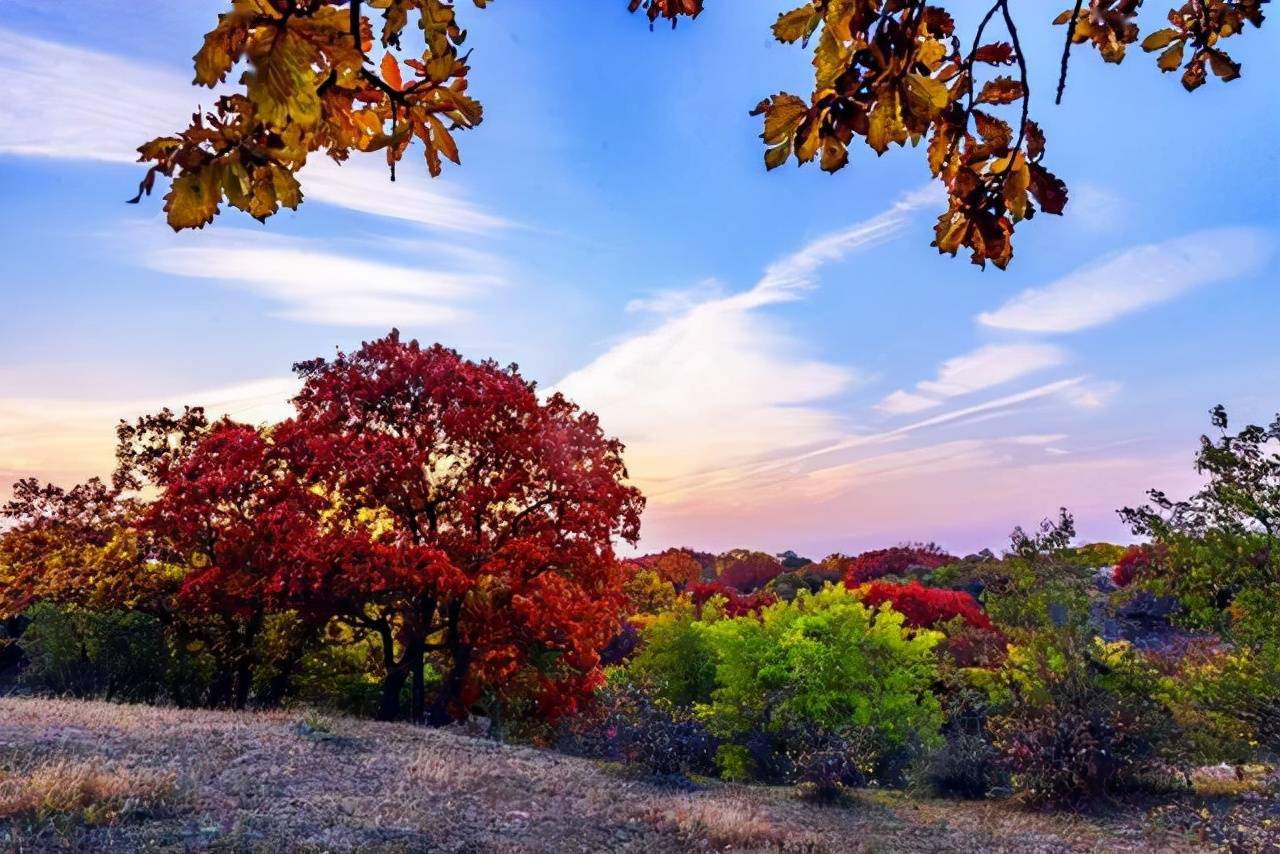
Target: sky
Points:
(789, 362)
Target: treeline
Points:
(429, 539)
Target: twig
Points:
(1022, 72)
(1066, 50)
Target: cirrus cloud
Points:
(1133, 279)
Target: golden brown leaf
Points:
(1000, 90)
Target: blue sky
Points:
(791, 364)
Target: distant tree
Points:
(790, 560)
(1217, 550)
(71, 547)
(680, 567)
(504, 505)
(925, 607)
(730, 601)
(746, 571)
(896, 560)
(887, 71)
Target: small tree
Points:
(1217, 550)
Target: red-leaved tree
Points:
(897, 560)
(483, 517)
(1135, 561)
(227, 513)
(736, 604)
(926, 607)
(747, 571)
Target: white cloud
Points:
(981, 369)
(316, 286)
(991, 366)
(1132, 280)
(73, 103)
(715, 385)
(68, 440)
(1093, 396)
(904, 403)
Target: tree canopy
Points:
(321, 76)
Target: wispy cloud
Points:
(68, 102)
(716, 385)
(317, 286)
(904, 403)
(1132, 280)
(66, 440)
(785, 466)
(986, 367)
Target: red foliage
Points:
(926, 607)
(1134, 562)
(897, 560)
(736, 604)
(679, 567)
(746, 571)
(224, 510)
(493, 510)
(969, 646)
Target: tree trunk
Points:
(392, 684)
(220, 688)
(393, 674)
(244, 680)
(451, 688)
(414, 656)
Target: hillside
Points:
(118, 778)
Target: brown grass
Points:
(88, 791)
(101, 777)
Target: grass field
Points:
(103, 777)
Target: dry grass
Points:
(733, 823)
(88, 791)
(101, 777)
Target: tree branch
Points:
(1066, 50)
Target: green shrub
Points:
(676, 661)
(344, 677)
(1228, 706)
(119, 655)
(966, 764)
(822, 665)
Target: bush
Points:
(925, 607)
(118, 655)
(898, 560)
(965, 766)
(628, 724)
(828, 762)
(676, 661)
(822, 665)
(732, 603)
(1135, 561)
(1227, 703)
(1082, 715)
